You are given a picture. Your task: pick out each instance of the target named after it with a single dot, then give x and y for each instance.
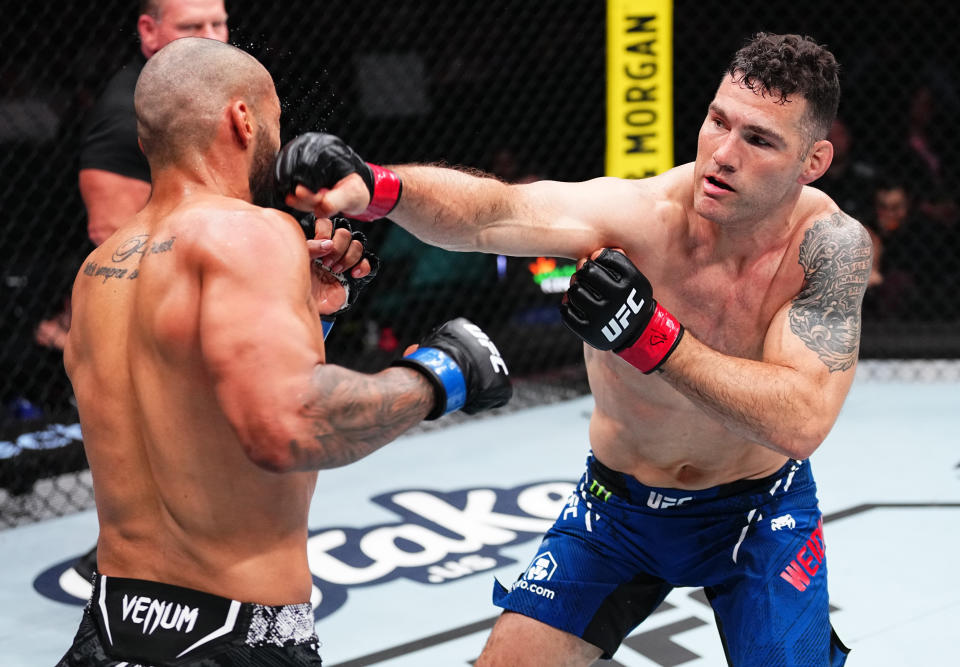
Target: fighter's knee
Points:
(520, 641)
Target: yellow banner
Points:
(639, 87)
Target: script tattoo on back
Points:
(134, 247)
(836, 256)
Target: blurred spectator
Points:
(114, 176)
(902, 246)
(876, 275)
(850, 180)
(505, 166)
(929, 162)
(52, 333)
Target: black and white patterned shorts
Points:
(135, 623)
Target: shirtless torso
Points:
(727, 302)
(765, 273)
(734, 288)
(179, 500)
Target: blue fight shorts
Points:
(755, 546)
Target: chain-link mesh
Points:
(509, 86)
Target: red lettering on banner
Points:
(807, 561)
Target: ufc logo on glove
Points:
(636, 328)
(496, 361)
(613, 330)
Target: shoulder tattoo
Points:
(133, 248)
(836, 256)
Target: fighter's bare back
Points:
(179, 500)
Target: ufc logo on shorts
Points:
(659, 501)
(499, 365)
(621, 320)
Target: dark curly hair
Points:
(788, 65)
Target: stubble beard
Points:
(261, 171)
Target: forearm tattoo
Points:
(355, 414)
(835, 255)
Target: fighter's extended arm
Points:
(454, 209)
(789, 400)
(462, 211)
(261, 341)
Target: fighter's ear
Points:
(817, 161)
(241, 119)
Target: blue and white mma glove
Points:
(464, 367)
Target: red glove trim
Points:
(655, 344)
(386, 194)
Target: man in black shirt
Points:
(114, 177)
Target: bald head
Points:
(185, 90)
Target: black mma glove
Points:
(351, 286)
(317, 160)
(610, 306)
(464, 367)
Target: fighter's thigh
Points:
(520, 641)
(588, 578)
(758, 632)
(774, 608)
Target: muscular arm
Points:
(111, 201)
(456, 210)
(790, 399)
(263, 346)
(460, 211)
(349, 415)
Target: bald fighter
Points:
(197, 359)
(114, 177)
(720, 304)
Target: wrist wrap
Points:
(384, 195)
(657, 342)
(443, 373)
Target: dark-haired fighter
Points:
(197, 359)
(710, 398)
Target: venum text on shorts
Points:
(150, 613)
